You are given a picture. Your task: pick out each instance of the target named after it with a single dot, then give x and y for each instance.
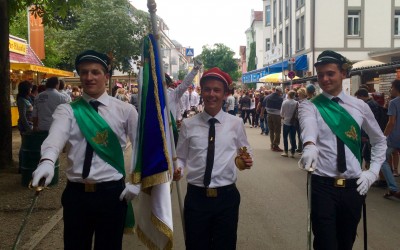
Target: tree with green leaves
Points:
(8, 10)
(252, 57)
(118, 31)
(220, 56)
(182, 73)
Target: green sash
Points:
(99, 134)
(103, 141)
(340, 122)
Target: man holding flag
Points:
(95, 128)
(212, 201)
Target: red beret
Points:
(216, 72)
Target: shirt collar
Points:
(103, 99)
(341, 95)
(219, 116)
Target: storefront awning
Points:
(41, 69)
(254, 76)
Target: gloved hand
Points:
(365, 181)
(45, 169)
(309, 157)
(130, 192)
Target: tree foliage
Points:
(222, 57)
(182, 73)
(55, 13)
(52, 12)
(19, 25)
(118, 31)
(252, 57)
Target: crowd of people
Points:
(322, 128)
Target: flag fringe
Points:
(163, 228)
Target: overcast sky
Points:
(201, 22)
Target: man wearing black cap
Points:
(330, 125)
(212, 200)
(95, 129)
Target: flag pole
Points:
(152, 6)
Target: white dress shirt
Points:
(314, 129)
(194, 98)
(192, 146)
(122, 117)
(185, 102)
(231, 103)
(174, 95)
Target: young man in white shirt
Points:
(212, 200)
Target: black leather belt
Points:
(210, 192)
(93, 187)
(335, 182)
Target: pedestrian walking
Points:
(392, 131)
(288, 112)
(96, 128)
(330, 129)
(212, 201)
(245, 103)
(273, 104)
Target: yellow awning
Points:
(41, 69)
(275, 78)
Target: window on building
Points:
(280, 36)
(303, 32)
(300, 33)
(280, 10)
(287, 41)
(274, 40)
(299, 3)
(267, 44)
(274, 13)
(287, 8)
(353, 23)
(268, 15)
(397, 23)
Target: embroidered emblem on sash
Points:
(101, 138)
(352, 134)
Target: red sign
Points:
(291, 74)
(36, 34)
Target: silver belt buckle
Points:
(211, 192)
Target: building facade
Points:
(297, 31)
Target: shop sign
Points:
(18, 47)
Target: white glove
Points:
(45, 169)
(309, 157)
(130, 192)
(365, 181)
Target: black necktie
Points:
(210, 152)
(341, 155)
(89, 150)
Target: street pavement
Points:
(273, 211)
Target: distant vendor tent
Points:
(366, 63)
(275, 78)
